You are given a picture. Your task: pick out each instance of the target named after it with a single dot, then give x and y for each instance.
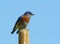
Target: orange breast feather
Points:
(26, 19)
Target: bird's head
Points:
(28, 13)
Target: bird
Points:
(22, 22)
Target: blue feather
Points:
(18, 19)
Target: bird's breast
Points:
(26, 19)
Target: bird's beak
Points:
(33, 14)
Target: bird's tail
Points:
(14, 29)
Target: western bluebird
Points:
(22, 22)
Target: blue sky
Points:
(44, 26)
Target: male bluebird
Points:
(22, 22)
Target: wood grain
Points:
(23, 36)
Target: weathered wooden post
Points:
(23, 36)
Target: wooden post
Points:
(23, 36)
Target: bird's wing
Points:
(19, 19)
(14, 28)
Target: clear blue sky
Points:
(44, 26)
